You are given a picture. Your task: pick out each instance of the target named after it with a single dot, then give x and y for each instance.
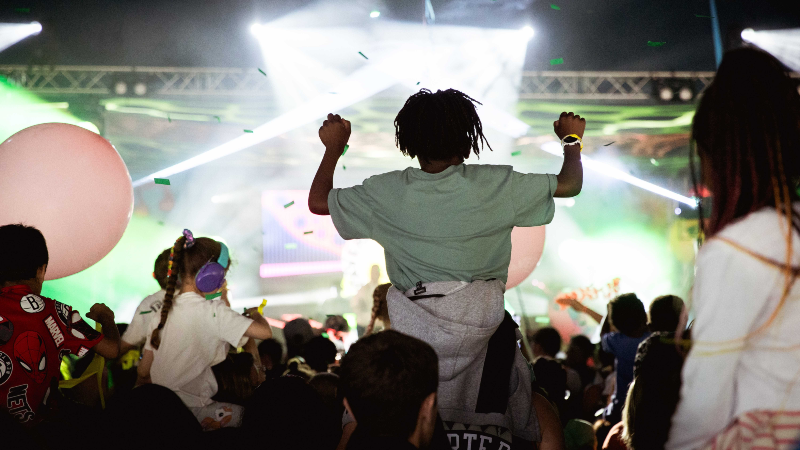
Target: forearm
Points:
(591, 313)
(570, 179)
(260, 328)
(323, 182)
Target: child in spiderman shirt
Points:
(35, 331)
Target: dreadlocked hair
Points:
(380, 309)
(746, 132)
(184, 262)
(440, 126)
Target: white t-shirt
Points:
(734, 295)
(195, 337)
(139, 327)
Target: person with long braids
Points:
(194, 333)
(740, 381)
(380, 310)
(446, 232)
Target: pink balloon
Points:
(71, 184)
(527, 244)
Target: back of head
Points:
(552, 378)
(654, 394)
(171, 422)
(188, 255)
(747, 133)
(627, 314)
(336, 323)
(385, 378)
(160, 268)
(327, 386)
(665, 313)
(319, 353)
(549, 340)
(22, 251)
(272, 349)
(289, 413)
(579, 435)
(297, 333)
(439, 126)
(235, 384)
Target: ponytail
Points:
(175, 267)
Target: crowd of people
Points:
(439, 363)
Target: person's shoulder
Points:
(762, 231)
(393, 175)
(487, 169)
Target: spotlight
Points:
(677, 211)
(748, 34)
(527, 32)
(36, 28)
(375, 14)
(255, 28)
(685, 94)
(140, 88)
(665, 94)
(120, 88)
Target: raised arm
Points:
(570, 179)
(334, 134)
(109, 347)
(260, 328)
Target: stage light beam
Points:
(11, 33)
(783, 44)
(554, 148)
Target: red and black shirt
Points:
(35, 334)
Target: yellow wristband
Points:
(580, 141)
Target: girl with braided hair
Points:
(740, 378)
(195, 330)
(446, 233)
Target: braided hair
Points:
(439, 126)
(173, 271)
(186, 259)
(380, 309)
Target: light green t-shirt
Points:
(449, 226)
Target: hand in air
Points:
(100, 311)
(569, 123)
(334, 132)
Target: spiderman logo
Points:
(30, 353)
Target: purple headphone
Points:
(212, 275)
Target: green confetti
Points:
(344, 167)
(213, 296)
(417, 83)
(655, 44)
(516, 153)
(555, 7)
(218, 119)
(606, 145)
(262, 72)
(145, 312)
(654, 162)
(248, 131)
(162, 181)
(308, 232)
(290, 246)
(325, 335)
(365, 56)
(702, 16)
(289, 204)
(553, 62)
(168, 118)
(345, 149)
(22, 10)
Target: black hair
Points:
(319, 352)
(665, 313)
(439, 126)
(654, 394)
(233, 378)
(337, 323)
(627, 314)
(24, 250)
(549, 339)
(160, 268)
(272, 349)
(584, 344)
(552, 379)
(385, 377)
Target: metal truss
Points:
(162, 81)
